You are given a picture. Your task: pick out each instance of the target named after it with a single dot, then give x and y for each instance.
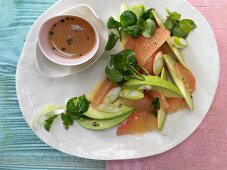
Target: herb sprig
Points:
(122, 67)
(75, 108)
(132, 25)
(177, 26)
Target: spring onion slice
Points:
(46, 111)
(178, 42)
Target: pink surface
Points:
(206, 148)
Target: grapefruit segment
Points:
(186, 75)
(103, 89)
(143, 104)
(145, 47)
(139, 122)
(175, 104)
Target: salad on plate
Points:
(145, 81)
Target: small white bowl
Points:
(53, 56)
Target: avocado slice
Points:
(95, 124)
(161, 118)
(158, 84)
(170, 61)
(161, 111)
(117, 111)
(175, 50)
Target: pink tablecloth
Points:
(206, 148)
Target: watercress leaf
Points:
(141, 23)
(112, 73)
(113, 38)
(134, 31)
(175, 15)
(169, 24)
(128, 18)
(150, 28)
(113, 24)
(156, 103)
(123, 59)
(187, 25)
(148, 14)
(178, 32)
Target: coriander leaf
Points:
(187, 25)
(134, 31)
(156, 103)
(113, 38)
(76, 106)
(112, 23)
(178, 32)
(148, 14)
(67, 121)
(128, 18)
(48, 122)
(169, 24)
(150, 28)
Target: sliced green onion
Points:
(158, 63)
(109, 108)
(131, 94)
(178, 42)
(112, 95)
(46, 111)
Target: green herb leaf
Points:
(148, 14)
(113, 24)
(67, 121)
(169, 24)
(134, 31)
(177, 27)
(128, 18)
(122, 67)
(156, 103)
(150, 28)
(48, 122)
(113, 38)
(187, 25)
(175, 16)
(112, 73)
(178, 32)
(75, 108)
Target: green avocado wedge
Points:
(95, 124)
(170, 61)
(175, 50)
(158, 84)
(161, 111)
(108, 111)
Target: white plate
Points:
(51, 69)
(35, 90)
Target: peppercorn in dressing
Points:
(71, 37)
